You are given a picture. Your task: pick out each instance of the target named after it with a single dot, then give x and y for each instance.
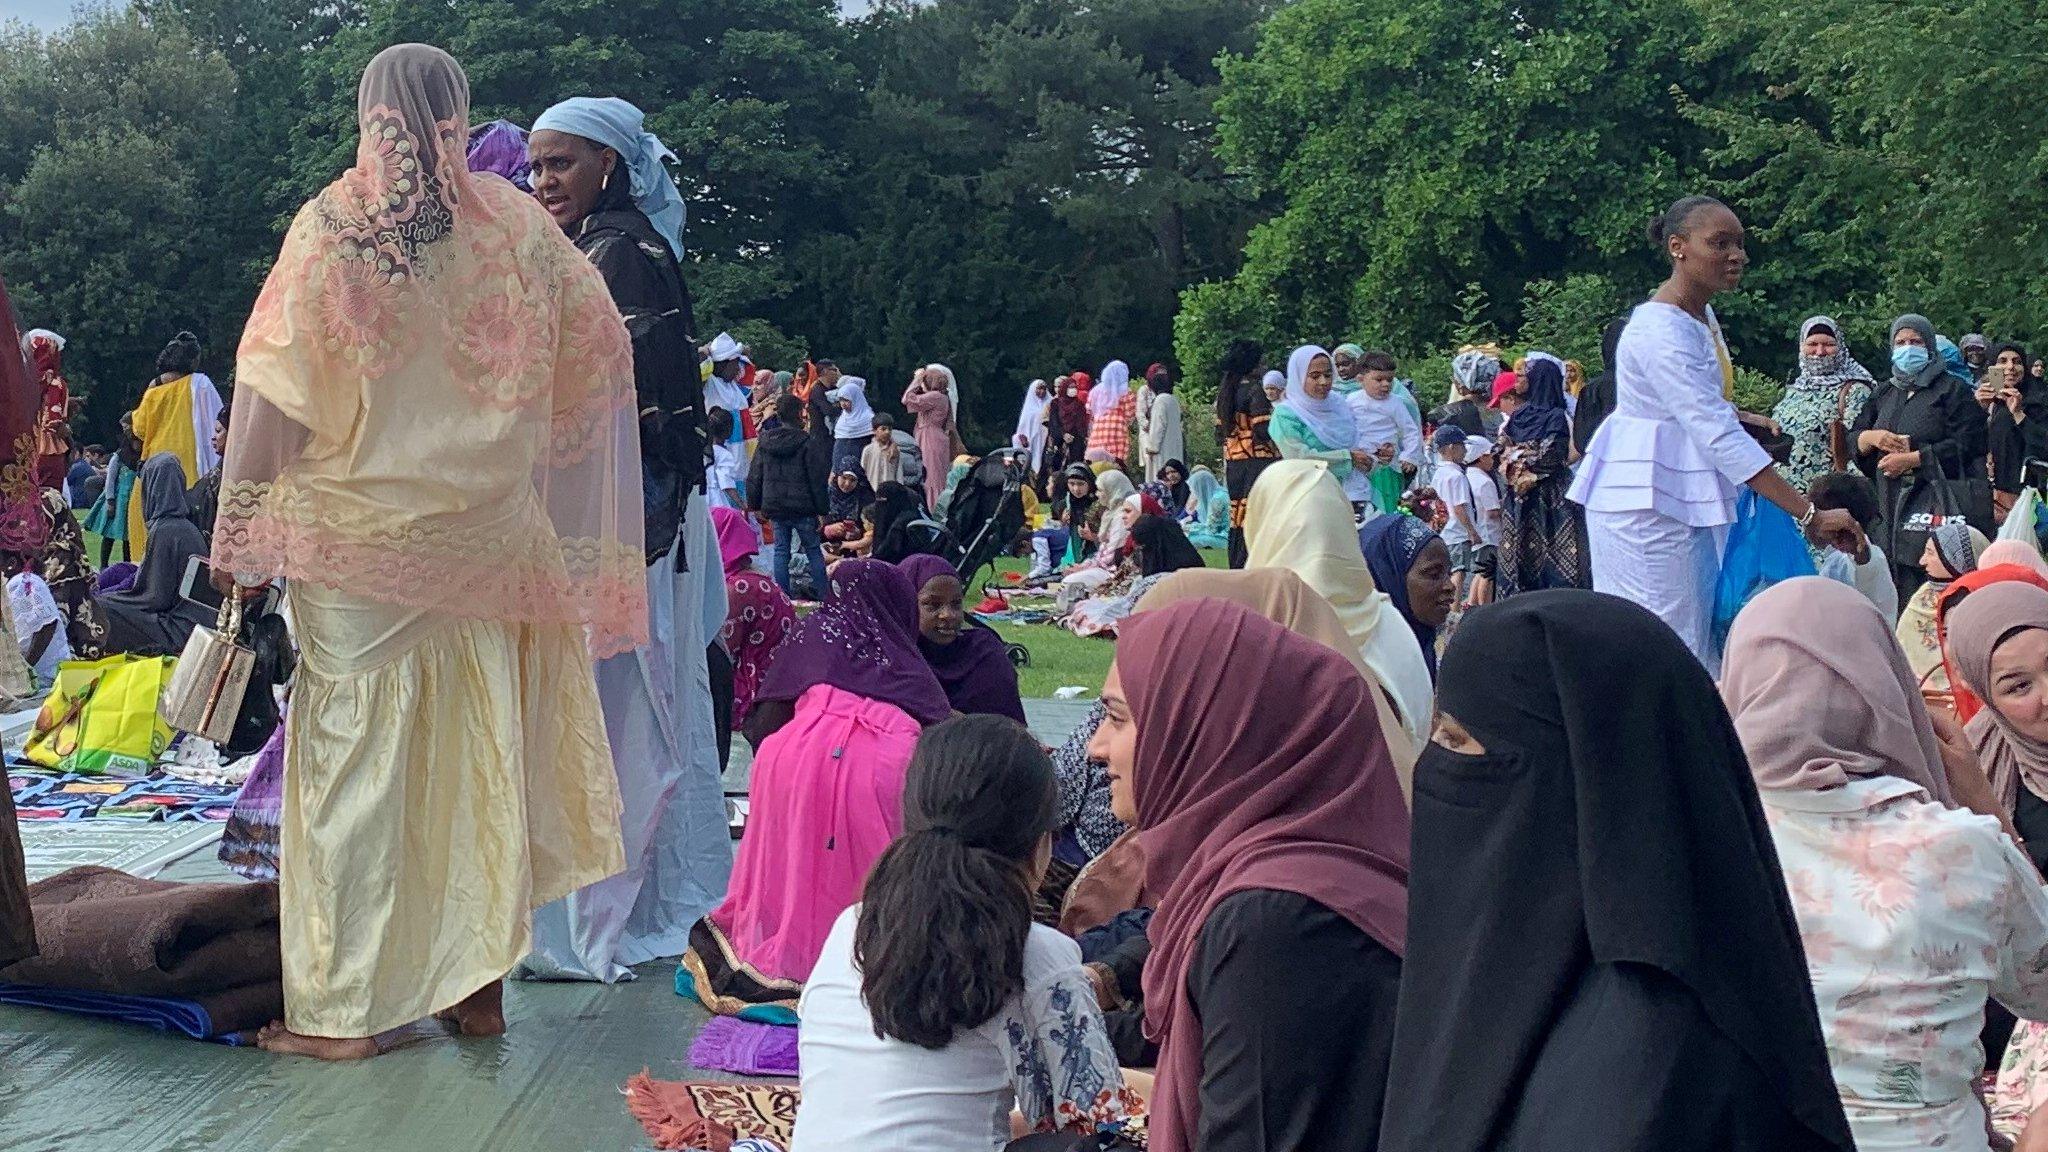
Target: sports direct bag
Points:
(102, 716)
(1764, 547)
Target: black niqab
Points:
(1162, 546)
(1612, 821)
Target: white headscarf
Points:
(857, 421)
(1274, 379)
(206, 408)
(1111, 389)
(1329, 418)
(1031, 422)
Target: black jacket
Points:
(785, 482)
(647, 285)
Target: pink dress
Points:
(828, 798)
(934, 435)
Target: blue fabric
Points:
(1764, 547)
(794, 532)
(1391, 545)
(185, 1017)
(621, 127)
(1543, 415)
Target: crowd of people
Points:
(1465, 744)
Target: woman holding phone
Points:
(2016, 426)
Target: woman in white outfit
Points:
(1661, 475)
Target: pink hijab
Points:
(1821, 693)
(2013, 552)
(1977, 626)
(1311, 807)
(737, 543)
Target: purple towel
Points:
(117, 578)
(730, 1045)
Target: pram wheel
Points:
(1020, 656)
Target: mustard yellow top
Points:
(163, 421)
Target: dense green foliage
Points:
(1016, 187)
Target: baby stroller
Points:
(986, 515)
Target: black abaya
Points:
(1601, 954)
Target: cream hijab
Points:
(1299, 520)
(1282, 597)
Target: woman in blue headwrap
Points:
(1412, 565)
(600, 174)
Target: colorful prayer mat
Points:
(701, 1114)
(42, 795)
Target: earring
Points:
(607, 185)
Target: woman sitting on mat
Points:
(966, 655)
(834, 725)
(937, 1006)
(152, 617)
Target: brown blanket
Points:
(99, 930)
(17, 925)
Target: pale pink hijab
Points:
(1977, 625)
(2014, 552)
(1821, 694)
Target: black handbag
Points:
(1931, 500)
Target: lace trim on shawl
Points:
(274, 530)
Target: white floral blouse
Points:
(1912, 914)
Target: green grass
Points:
(1059, 658)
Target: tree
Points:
(1884, 156)
(109, 212)
(1423, 145)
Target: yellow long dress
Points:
(410, 454)
(163, 422)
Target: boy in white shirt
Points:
(1388, 431)
(38, 626)
(1868, 570)
(1479, 462)
(1461, 528)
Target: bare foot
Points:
(275, 1037)
(481, 1013)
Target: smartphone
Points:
(198, 588)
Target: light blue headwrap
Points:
(621, 127)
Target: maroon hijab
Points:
(1308, 804)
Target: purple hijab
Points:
(975, 669)
(862, 640)
(500, 147)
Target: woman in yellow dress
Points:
(176, 416)
(435, 442)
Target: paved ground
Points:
(552, 1085)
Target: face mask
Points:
(1909, 359)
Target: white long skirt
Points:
(658, 714)
(1664, 565)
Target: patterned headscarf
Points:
(500, 147)
(863, 640)
(1475, 367)
(1959, 546)
(1825, 375)
(1391, 545)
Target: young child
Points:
(722, 477)
(1479, 465)
(937, 1008)
(882, 459)
(1867, 571)
(1386, 430)
(1461, 528)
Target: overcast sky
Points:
(48, 14)
(42, 13)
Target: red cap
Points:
(1503, 384)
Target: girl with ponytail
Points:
(938, 1007)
